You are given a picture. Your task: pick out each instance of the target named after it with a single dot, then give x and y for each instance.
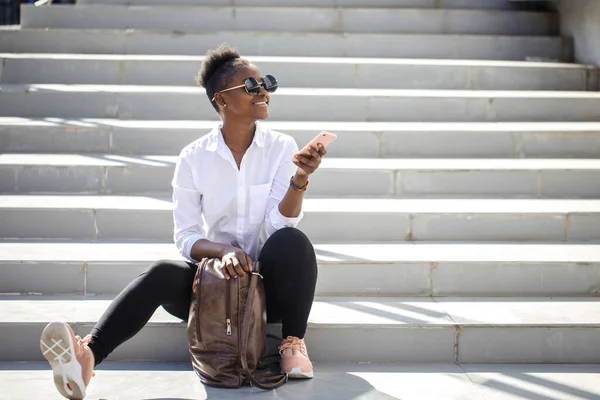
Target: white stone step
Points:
(337, 220)
(434, 330)
(355, 139)
(385, 269)
(292, 19)
(449, 4)
(146, 380)
(318, 72)
(407, 178)
(479, 47)
(292, 104)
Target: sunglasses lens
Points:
(252, 86)
(270, 83)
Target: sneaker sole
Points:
(57, 347)
(296, 373)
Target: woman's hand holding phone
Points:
(308, 159)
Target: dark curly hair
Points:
(218, 68)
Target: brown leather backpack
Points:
(227, 328)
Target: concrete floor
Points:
(176, 381)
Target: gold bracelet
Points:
(298, 188)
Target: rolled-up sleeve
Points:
(274, 219)
(187, 209)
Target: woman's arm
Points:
(187, 209)
(204, 248)
(307, 160)
(189, 232)
(284, 207)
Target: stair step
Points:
(315, 72)
(449, 4)
(292, 19)
(355, 139)
(137, 380)
(90, 41)
(464, 330)
(338, 220)
(291, 104)
(386, 269)
(407, 178)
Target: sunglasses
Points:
(252, 86)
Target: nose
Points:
(263, 92)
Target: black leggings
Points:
(289, 268)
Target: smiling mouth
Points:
(261, 103)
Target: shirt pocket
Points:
(258, 196)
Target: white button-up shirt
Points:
(214, 200)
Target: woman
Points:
(237, 195)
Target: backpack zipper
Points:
(228, 306)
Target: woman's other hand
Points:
(235, 262)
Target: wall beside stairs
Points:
(580, 19)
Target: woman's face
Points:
(238, 103)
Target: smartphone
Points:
(325, 138)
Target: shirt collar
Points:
(216, 137)
(213, 139)
(259, 135)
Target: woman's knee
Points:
(167, 276)
(291, 237)
(291, 247)
(160, 271)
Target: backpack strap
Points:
(266, 382)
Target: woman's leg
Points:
(289, 267)
(165, 283)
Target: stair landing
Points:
(176, 381)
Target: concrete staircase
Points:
(456, 219)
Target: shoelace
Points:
(294, 344)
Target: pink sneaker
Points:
(294, 358)
(71, 360)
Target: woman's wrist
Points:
(299, 183)
(300, 180)
(225, 249)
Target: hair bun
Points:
(215, 59)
